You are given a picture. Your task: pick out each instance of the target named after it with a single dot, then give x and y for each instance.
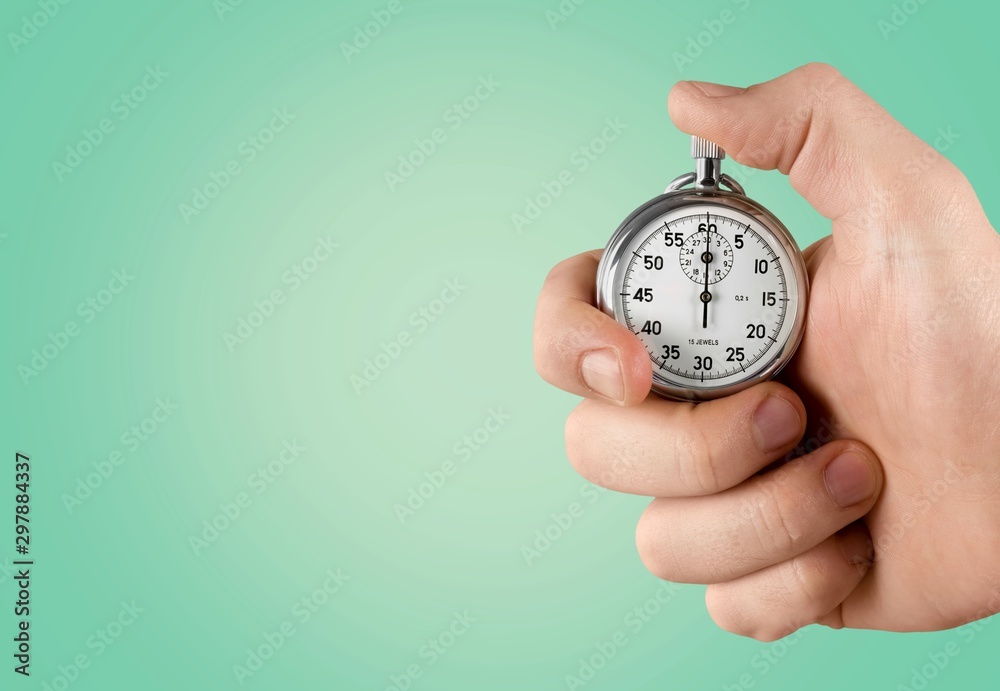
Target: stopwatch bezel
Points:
(613, 260)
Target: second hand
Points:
(706, 297)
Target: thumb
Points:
(846, 155)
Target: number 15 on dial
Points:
(710, 281)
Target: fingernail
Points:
(716, 90)
(849, 479)
(776, 424)
(602, 373)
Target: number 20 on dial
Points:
(711, 282)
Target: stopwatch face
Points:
(714, 287)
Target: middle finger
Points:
(671, 449)
(764, 521)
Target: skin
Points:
(897, 378)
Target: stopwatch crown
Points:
(702, 148)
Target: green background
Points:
(324, 175)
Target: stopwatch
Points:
(710, 281)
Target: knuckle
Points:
(773, 529)
(577, 440)
(698, 460)
(952, 195)
(556, 352)
(566, 270)
(726, 614)
(821, 85)
(819, 72)
(550, 339)
(557, 272)
(652, 552)
(542, 348)
(829, 95)
(806, 577)
(725, 609)
(582, 433)
(824, 84)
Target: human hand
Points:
(902, 327)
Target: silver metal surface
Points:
(707, 163)
(732, 184)
(610, 273)
(707, 173)
(702, 148)
(680, 181)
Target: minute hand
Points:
(706, 296)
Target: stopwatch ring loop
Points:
(689, 178)
(732, 184)
(680, 181)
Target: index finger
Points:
(579, 348)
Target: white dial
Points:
(711, 291)
(709, 280)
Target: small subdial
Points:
(706, 251)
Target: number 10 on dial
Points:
(710, 281)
